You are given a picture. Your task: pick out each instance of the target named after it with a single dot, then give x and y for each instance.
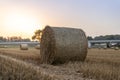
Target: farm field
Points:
(100, 64)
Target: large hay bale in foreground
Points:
(24, 46)
(60, 45)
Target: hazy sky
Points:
(95, 17)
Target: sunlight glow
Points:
(18, 22)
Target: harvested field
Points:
(99, 65)
(27, 55)
(13, 69)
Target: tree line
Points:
(13, 39)
(106, 37)
(38, 33)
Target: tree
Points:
(37, 35)
(108, 37)
(1, 38)
(89, 38)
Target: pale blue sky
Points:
(95, 17)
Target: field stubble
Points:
(99, 65)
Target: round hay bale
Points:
(24, 46)
(116, 48)
(104, 47)
(37, 46)
(60, 45)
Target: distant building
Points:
(103, 43)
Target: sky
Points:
(95, 17)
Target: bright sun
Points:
(18, 22)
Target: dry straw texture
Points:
(13, 69)
(60, 45)
(24, 46)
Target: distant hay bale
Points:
(104, 47)
(24, 46)
(116, 48)
(99, 47)
(37, 46)
(60, 45)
